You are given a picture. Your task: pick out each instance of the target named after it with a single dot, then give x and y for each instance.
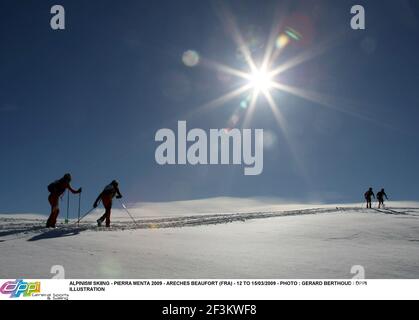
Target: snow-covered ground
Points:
(250, 238)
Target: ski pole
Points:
(126, 209)
(68, 205)
(78, 214)
(88, 212)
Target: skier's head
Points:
(115, 183)
(370, 189)
(67, 177)
(382, 190)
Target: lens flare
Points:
(294, 34)
(282, 41)
(191, 58)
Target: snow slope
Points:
(297, 241)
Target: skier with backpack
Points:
(367, 196)
(56, 190)
(380, 197)
(110, 191)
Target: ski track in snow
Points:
(265, 242)
(33, 229)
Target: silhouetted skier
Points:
(368, 196)
(57, 189)
(380, 197)
(106, 196)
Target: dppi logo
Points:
(19, 287)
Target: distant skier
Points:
(57, 189)
(368, 196)
(380, 197)
(106, 196)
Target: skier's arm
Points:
(373, 194)
(72, 190)
(118, 194)
(385, 195)
(97, 200)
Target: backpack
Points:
(54, 187)
(109, 190)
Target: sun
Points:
(260, 80)
(263, 76)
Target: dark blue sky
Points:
(89, 100)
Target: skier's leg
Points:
(107, 203)
(51, 213)
(108, 216)
(55, 216)
(52, 220)
(102, 218)
(100, 221)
